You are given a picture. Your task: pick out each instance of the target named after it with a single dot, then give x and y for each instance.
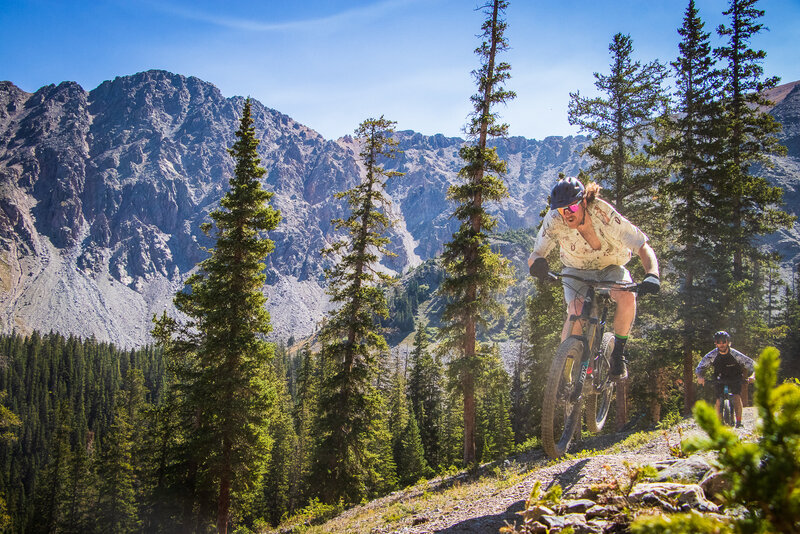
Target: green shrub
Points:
(691, 523)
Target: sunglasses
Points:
(570, 209)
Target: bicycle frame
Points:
(593, 322)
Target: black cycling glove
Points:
(650, 284)
(540, 269)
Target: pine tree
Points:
(425, 392)
(750, 133)
(116, 505)
(407, 449)
(690, 148)
(410, 455)
(81, 488)
(749, 140)
(620, 123)
(475, 275)
(519, 411)
(308, 378)
(280, 486)
(495, 436)
(51, 481)
(230, 383)
(349, 404)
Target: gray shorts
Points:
(574, 289)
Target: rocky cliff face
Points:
(102, 194)
(786, 174)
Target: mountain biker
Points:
(730, 366)
(595, 243)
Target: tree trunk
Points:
(468, 384)
(224, 503)
(688, 380)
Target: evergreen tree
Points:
(690, 148)
(51, 482)
(750, 137)
(790, 345)
(620, 123)
(495, 436)
(475, 275)
(519, 411)
(349, 405)
(425, 393)
(407, 449)
(81, 488)
(116, 504)
(229, 379)
(308, 378)
(282, 477)
(410, 455)
(451, 448)
(382, 471)
(8, 424)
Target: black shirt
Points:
(726, 367)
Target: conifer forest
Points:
(215, 428)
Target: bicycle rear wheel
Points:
(560, 415)
(599, 401)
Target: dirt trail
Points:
(478, 504)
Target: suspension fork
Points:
(590, 325)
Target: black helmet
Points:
(722, 335)
(566, 191)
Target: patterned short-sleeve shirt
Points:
(619, 238)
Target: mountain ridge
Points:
(102, 193)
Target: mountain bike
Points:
(726, 402)
(580, 370)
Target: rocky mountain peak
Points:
(102, 194)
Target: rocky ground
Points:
(484, 502)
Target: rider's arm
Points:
(545, 239)
(649, 260)
(747, 363)
(704, 362)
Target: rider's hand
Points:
(650, 284)
(540, 269)
(701, 380)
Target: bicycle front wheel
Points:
(599, 401)
(560, 414)
(727, 411)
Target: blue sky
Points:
(331, 64)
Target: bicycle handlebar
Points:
(633, 287)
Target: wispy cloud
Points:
(346, 17)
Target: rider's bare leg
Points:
(574, 308)
(626, 312)
(718, 406)
(737, 407)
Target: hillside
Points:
(483, 501)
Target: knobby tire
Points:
(599, 400)
(727, 411)
(560, 416)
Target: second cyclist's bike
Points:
(580, 370)
(726, 404)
